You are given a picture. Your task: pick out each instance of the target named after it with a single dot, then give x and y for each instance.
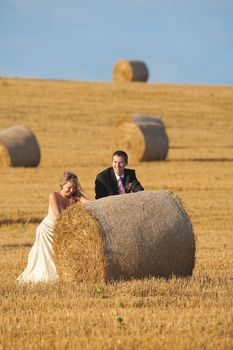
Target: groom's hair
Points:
(121, 154)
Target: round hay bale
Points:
(138, 118)
(19, 147)
(126, 71)
(128, 236)
(142, 141)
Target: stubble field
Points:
(74, 123)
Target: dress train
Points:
(41, 266)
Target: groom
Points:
(117, 179)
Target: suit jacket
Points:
(106, 182)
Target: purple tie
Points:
(121, 187)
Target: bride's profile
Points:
(41, 266)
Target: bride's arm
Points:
(53, 201)
(84, 199)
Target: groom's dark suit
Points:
(106, 182)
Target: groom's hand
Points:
(134, 186)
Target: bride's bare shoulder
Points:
(54, 196)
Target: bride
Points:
(40, 266)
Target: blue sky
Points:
(181, 41)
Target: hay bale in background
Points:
(122, 237)
(142, 141)
(126, 71)
(139, 118)
(19, 147)
(5, 160)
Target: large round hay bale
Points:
(126, 71)
(19, 147)
(139, 118)
(128, 236)
(142, 141)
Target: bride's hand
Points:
(84, 199)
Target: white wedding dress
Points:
(41, 266)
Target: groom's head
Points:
(119, 162)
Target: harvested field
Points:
(74, 123)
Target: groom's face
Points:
(118, 164)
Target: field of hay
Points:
(74, 123)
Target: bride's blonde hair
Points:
(69, 176)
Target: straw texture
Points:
(142, 141)
(78, 246)
(128, 236)
(19, 147)
(127, 71)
